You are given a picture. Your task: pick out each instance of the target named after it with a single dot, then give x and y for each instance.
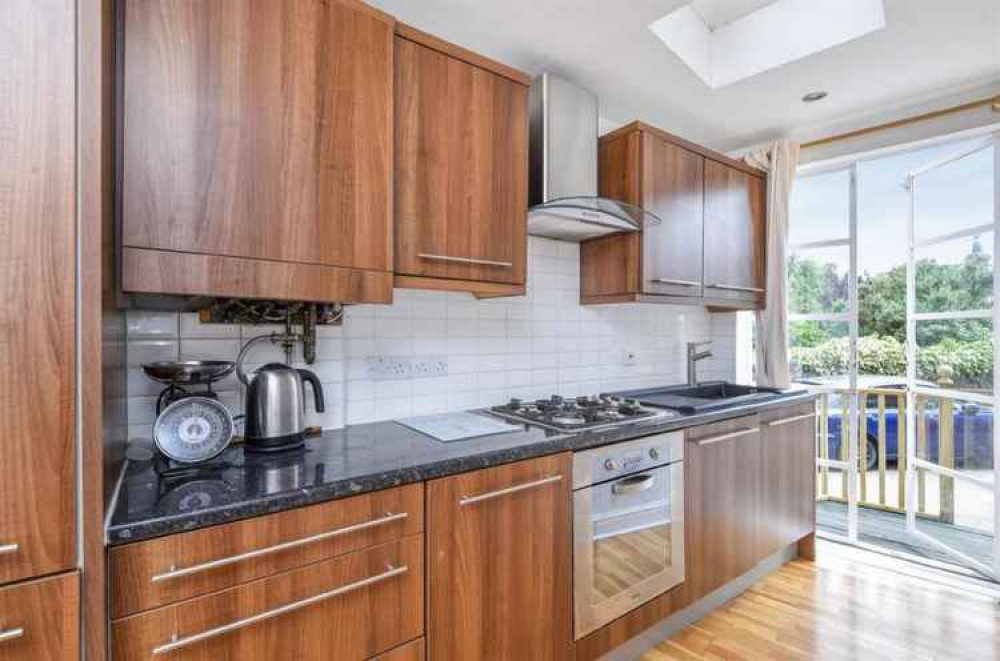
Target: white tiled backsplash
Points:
(533, 346)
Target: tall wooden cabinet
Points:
(256, 155)
(499, 557)
(39, 617)
(708, 248)
(461, 154)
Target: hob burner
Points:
(580, 413)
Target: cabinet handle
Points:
(466, 260)
(726, 437)
(785, 421)
(222, 562)
(633, 484)
(753, 290)
(489, 495)
(674, 281)
(11, 634)
(9, 548)
(178, 643)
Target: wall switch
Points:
(385, 368)
(630, 356)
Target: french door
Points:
(952, 443)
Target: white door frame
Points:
(850, 466)
(913, 462)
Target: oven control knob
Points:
(654, 453)
(611, 465)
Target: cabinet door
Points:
(37, 233)
(673, 189)
(499, 562)
(461, 169)
(40, 620)
(789, 473)
(734, 234)
(722, 502)
(259, 130)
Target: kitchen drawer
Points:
(350, 608)
(411, 651)
(168, 569)
(730, 429)
(40, 620)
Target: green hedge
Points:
(972, 361)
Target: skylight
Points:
(722, 50)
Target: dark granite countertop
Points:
(152, 501)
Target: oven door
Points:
(628, 544)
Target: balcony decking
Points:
(888, 530)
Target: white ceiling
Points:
(929, 48)
(716, 13)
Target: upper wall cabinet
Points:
(257, 149)
(709, 247)
(461, 150)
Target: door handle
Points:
(785, 421)
(726, 437)
(489, 495)
(465, 260)
(633, 484)
(9, 548)
(675, 281)
(10, 634)
(724, 287)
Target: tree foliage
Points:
(966, 346)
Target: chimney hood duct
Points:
(562, 184)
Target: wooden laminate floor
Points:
(848, 605)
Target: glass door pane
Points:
(952, 497)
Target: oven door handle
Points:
(633, 484)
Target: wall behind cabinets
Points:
(531, 346)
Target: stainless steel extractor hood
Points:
(562, 185)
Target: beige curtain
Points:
(779, 159)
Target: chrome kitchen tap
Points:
(693, 356)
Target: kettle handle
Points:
(311, 378)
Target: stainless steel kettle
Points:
(276, 406)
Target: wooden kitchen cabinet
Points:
(461, 158)
(723, 497)
(708, 248)
(352, 607)
(499, 562)
(40, 620)
(412, 651)
(169, 569)
(37, 326)
(734, 235)
(257, 149)
(788, 451)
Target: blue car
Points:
(972, 423)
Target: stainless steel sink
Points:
(703, 397)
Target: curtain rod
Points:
(992, 101)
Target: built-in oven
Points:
(628, 527)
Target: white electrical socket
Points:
(629, 356)
(384, 368)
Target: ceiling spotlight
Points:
(813, 97)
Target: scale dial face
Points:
(193, 429)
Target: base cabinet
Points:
(499, 563)
(788, 500)
(350, 608)
(40, 620)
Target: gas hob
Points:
(578, 414)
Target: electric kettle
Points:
(276, 405)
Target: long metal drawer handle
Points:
(753, 290)
(726, 437)
(222, 562)
(466, 260)
(9, 548)
(785, 421)
(11, 634)
(471, 500)
(177, 643)
(673, 281)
